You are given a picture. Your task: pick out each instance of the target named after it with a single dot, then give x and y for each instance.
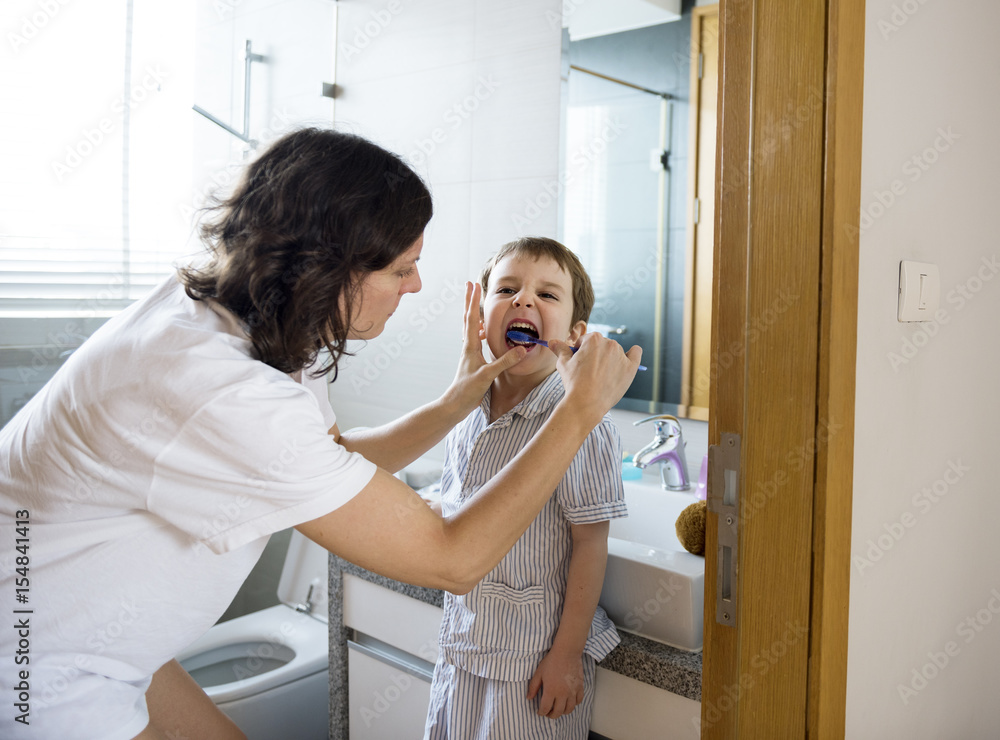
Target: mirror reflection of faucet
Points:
(667, 448)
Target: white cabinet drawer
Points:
(400, 621)
(627, 709)
(389, 694)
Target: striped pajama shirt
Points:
(493, 638)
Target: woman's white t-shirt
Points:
(147, 477)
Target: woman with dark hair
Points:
(153, 467)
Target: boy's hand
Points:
(598, 375)
(474, 374)
(560, 678)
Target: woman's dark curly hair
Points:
(311, 217)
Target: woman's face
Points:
(381, 291)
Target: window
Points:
(95, 142)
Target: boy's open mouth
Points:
(523, 326)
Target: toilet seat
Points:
(274, 646)
(261, 637)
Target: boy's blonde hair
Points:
(540, 246)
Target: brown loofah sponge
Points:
(691, 527)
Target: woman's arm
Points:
(388, 529)
(393, 446)
(560, 673)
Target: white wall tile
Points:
(514, 26)
(415, 116)
(503, 210)
(517, 133)
(378, 39)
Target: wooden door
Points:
(783, 348)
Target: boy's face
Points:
(534, 296)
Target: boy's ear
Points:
(577, 331)
(482, 329)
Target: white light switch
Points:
(919, 291)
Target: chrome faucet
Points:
(667, 448)
(307, 607)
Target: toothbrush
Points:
(520, 336)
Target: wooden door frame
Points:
(783, 361)
(699, 247)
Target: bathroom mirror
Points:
(637, 185)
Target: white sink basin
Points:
(653, 586)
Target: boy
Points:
(518, 652)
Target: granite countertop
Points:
(651, 662)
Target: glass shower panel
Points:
(614, 210)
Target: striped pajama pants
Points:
(468, 707)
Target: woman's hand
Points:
(474, 374)
(598, 374)
(560, 679)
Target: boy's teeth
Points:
(521, 326)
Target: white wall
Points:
(296, 39)
(924, 641)
(469, 93)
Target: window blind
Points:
(95, 155)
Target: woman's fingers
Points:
(506, 361)
(473, 294)
(474, 374)
(599, 372)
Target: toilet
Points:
(269, 670)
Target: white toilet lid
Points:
(306, 564)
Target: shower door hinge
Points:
(697, 210)
(723, 500)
